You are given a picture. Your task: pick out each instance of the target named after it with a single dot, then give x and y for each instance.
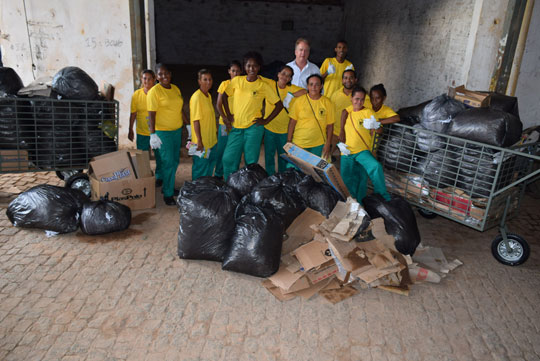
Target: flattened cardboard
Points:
(277, 292)
(379, 232)
(299, 231)
(313, 254)
(311, 291)
(337, 295)
(13, 160)
(468, 97)
(299, 285)
(283, 278)
(316, 276)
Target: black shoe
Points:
(176, 192)
(169, 201)
(159, 182)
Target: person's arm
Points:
(390, 120)
(278, 107)
(228, 119)
(132, 118)
(197, 128)
(342, 138)
(152, 121)
(328, 144)
(290, 131)
(219, 105)
(299, 93)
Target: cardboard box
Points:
(468, 97)
(318, 168)
(13, 160)
(137, 191)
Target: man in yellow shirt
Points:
(139, 112)
(203, 121)
(357, 161)
(332, 69)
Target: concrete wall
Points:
(213, 32)
(95, 36)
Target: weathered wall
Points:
(95, 36)
(214, 32)
(528, 85)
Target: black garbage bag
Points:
(318, 196)
(290, 178)
(104, 216)
(271, 193)
(47, 207)
(438, 168)
(504, 103)
(206, 207)
(438, 113)
(488, 126)
(17, 130)
(426, 141)
(10, 82)
(256, 242)
(399, 220)
(396, 148)
(244, 179)
(72, 82)
(412, 115)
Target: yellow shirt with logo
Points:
(280, 124)
(201, 108)
(357, 137)
(312, 117)
(167, 103)
(384, 112)
(248, 99)
(138, 105)
(222, 87)
(333, 82)
(340, 101)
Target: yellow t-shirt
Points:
(340, 101)
(248, 99)
(167, 103)
(333, 81)
(310, 131)
(384, 112)
(221, 89)
(280, 124)
(201, 108)
(138, 105)
(357, 137)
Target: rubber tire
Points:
(426, 214)
(76, 177)
(60, 173)
(514, 237)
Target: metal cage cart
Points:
(43, 134)
(475, 184)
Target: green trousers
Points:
(143, 142)
(168, 158)
(221, 144)
(204, 167)
(247, 141)
(273, 143)
(355, 170)
(315, 150)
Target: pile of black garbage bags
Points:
(63, 210)
(242, 222)
(459, 162)
(55, 134)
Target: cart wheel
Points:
(65, 174)
(517, 254)
(426, 214)
(81, 182)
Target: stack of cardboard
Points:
(336, 257)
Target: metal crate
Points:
(476, 184)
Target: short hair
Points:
(202, 72)
(253, 55)
(349, 71)
(318, 76)
(380, 88)
(358, 89)
(233, 63)
(149, 71)
(302, 40)
(162, 66)
(343, 42)
(286, 67)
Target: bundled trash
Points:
(10, 82)
(244, 179)
(104, 217)
(74, 83)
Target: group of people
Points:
(318, 110)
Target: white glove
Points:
(155, 142)
(287, 100)
(188, 127)
(350, 67)
(344, 148)
(331, 69)
(371, 123)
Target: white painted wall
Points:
(95, 36)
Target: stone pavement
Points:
(127, 296)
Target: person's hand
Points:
(261, 121)
(326, 151)
(200, 145)
(131, 135)
(155, 142)
(331, 69)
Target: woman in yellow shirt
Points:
(247, 131)
(357, 163)
(203, 121)
(384, 114)
(165, 104)
(235, 69)
(275, 132)
(139, 112)
(312, 120)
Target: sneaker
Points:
(169, 201)
(159, 182)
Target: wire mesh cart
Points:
(475, 184)
(42, 134)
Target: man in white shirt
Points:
(302, 67)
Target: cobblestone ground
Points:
(127, 296)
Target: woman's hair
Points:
(233, 63)
(162, 66)
(149, 71)
(286, 67)
(253, 55)
(201, 72)
(380, 88)
(358, 89)
(318, 76)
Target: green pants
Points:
(274, 142)
(221, 144)
(315, 150)
(247, 141)
(204, 167)
(143, 142)
(168, 158)
(355, 170)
